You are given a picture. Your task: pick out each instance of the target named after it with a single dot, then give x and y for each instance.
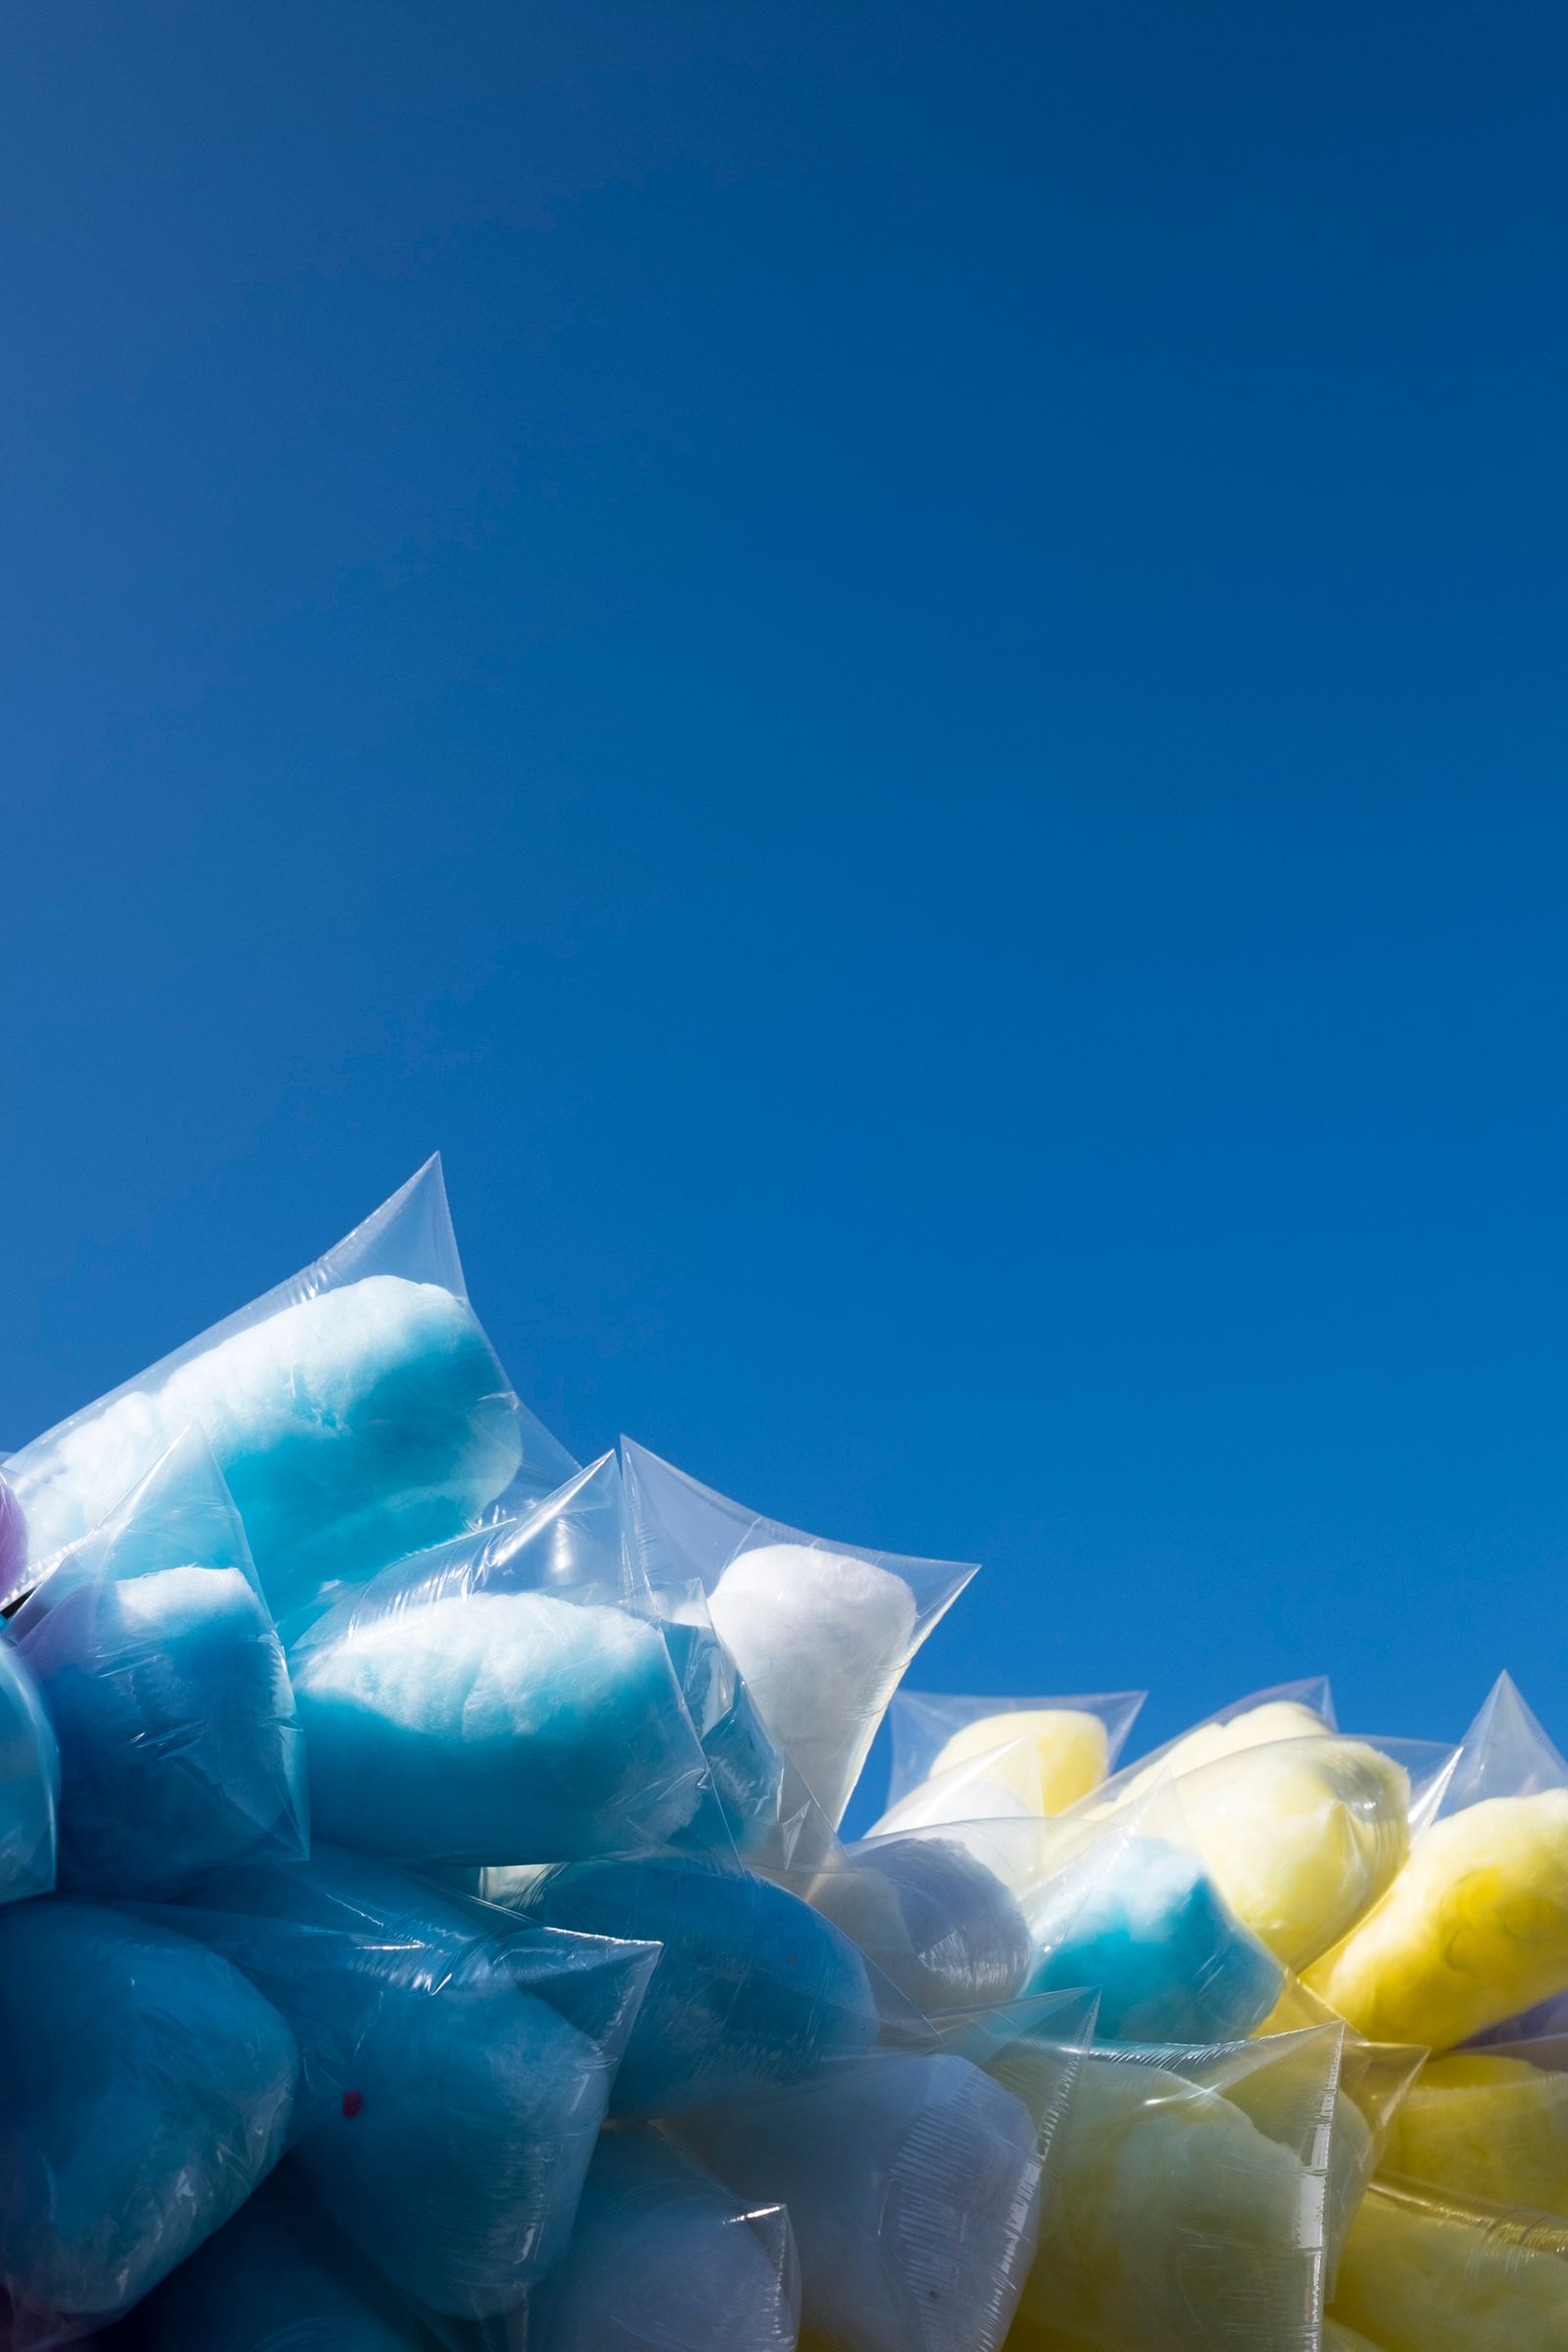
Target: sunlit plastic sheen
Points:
(1179, 2219)
(1424, 2271)
(30, 1782)
(1474, 1930)
(1486, 2126)
(1230, 1734)
(1302, 1836)
(1050, 1756)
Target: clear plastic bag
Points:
(1427, 2271)
(1475, 1928)
(1302, 1836)
(30, 1782)
(160, 1667)
(1287, 1711)
(357, 1412)
(665, 2260)
(277, 2279)
(937, 1923)
(12, 1538)
(752, 1990)
(456, 2065)
(997, 1757)
(147, 2088)
(1488, 2124)
(1188, 2201)
(505, 1698)
(821, 1631)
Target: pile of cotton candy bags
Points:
(426, 1919)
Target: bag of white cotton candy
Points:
(934, 1920)
(821, 1633)
(147, 2089)
(456, 2065)
(162, 1673)
(277, 2279)
(500, 1700)
(665, 2260)
(30, 1782)
(753, 1989)
(358, 1413)
(913, 2186)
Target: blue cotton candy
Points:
(937, 1924)
(274, 2280)
(449, 2115)
(913, 2186)
(352, 1427)
(499, 1727)
(1169, 1959)
(30, 1782)
(664, 2260)
(751, 1989)
(146, 2088)
(179, 1751)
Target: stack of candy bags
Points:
(427, 1921)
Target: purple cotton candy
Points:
(13, 1537)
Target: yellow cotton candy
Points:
(1176, 2223)
(1474, 1930)
(1344, 2339)
(1301, 1837)
(1048, 1756)
(1423, 2276)
(1488, 2127)
(1277, 1719)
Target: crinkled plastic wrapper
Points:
(1425, 2271)
(30, 1782)
(1488, 2124)
(162, 1673)
(665, 2259)
(147, 2090)
(506, 1699)
(821, 1631)
(456, 2065)
(358, 1413)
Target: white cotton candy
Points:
(821, 1638)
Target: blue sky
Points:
(899, 670)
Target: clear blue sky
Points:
(901, 670)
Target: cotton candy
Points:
(1429, 2274)
(665, 2260)
(1207, 1742)
(1047, 1757)
(146, 2088)
(752, 1990)
(30, 1782)
(352, 1427)
(495, 1727)
(1176, 2224)
(1337, 2338)
(1475, 1929)
(1489, 2127)
(274, 2280)
(1301, 1837)
(450, 2114)
(1144, 1926)
(913, 2186)
(821, 1639)
(939, 1926)
(747, 1771)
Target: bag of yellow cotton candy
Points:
(1424, 2270)
(1475, 1928)
(958, 1759)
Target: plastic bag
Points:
(937, 1924)
(1475, 1928)
(456, 2065)
(1190, 2201)
(1302, 1836)
(1128, 1909)
(1344, 2339)
(663, 2259)
(12, 1538)
(752, 1990)
(821, 1633)
(30, 1782)
(357, 1412)
(1424, 2271)
(1023, 1755)
(277, 2279)
(1288, 1711)
(913, 2186)
(146, 2089)
(496, 1701)
(1490, 2125)
(163, 1675)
